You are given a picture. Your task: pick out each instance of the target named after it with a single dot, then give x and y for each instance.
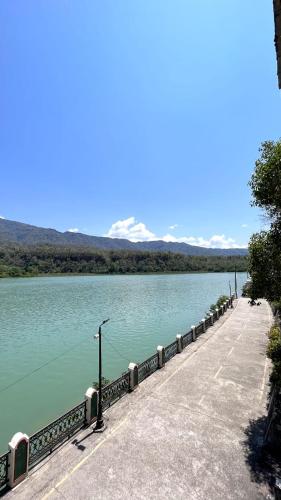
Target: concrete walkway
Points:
(182, 434)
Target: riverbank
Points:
(209, 420)
(34, 261)
(149, 273)
(48, 355)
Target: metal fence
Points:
(187, 339)
(208, 321)
(47, 439)
(199, 329)
(3, 470)
(148, 366)
(44, 441)
(171, 350)
(115, 390)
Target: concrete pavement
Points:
(182, 434)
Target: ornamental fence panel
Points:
(199, 329)
(148, 367)
(44, 441)
(115, 390)
(187, 339)
(171, 350)
(208, 321)
(4, 470)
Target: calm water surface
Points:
(48, 357)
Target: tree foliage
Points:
(274, 353)
(264, 248)
(265, 265)
(221, 300)
(104, 381)
(37, 260)
(266, 180)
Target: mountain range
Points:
(12, 232)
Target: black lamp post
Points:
(235, 277)
(100, 424)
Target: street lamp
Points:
(235, 278)
(100, 424)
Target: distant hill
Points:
(26, 234)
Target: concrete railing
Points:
(25, 452)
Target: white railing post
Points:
(18, 459)
(91, 397)
(161, 356)
(179, 343)
(193, 328)
(134, 376)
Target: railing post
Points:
(18, 459)
(193, 328)
(179, 343)
(91, 397)
(161, 356)
(203, 320)
(217, 312)
(222, 309)
(231, 302)
(212, 318)
(134, 376)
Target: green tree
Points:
(265, 247)
(266, 180)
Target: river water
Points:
(48, 354)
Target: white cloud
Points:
(244, 225)
(2, 217)
(131, 230)
(134, 231)
(174, 226)
(73, 230)
(215, 241)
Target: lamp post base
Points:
(99, 430)
(99, 427)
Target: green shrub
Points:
(247, 289)
(276, 306)
(104, 382)
(274, 353)
(220, 301)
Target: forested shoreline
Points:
(16, 261)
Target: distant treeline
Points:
(36, 260)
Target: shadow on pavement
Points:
(262, 461)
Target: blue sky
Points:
(146, 112)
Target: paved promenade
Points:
(182, 434)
